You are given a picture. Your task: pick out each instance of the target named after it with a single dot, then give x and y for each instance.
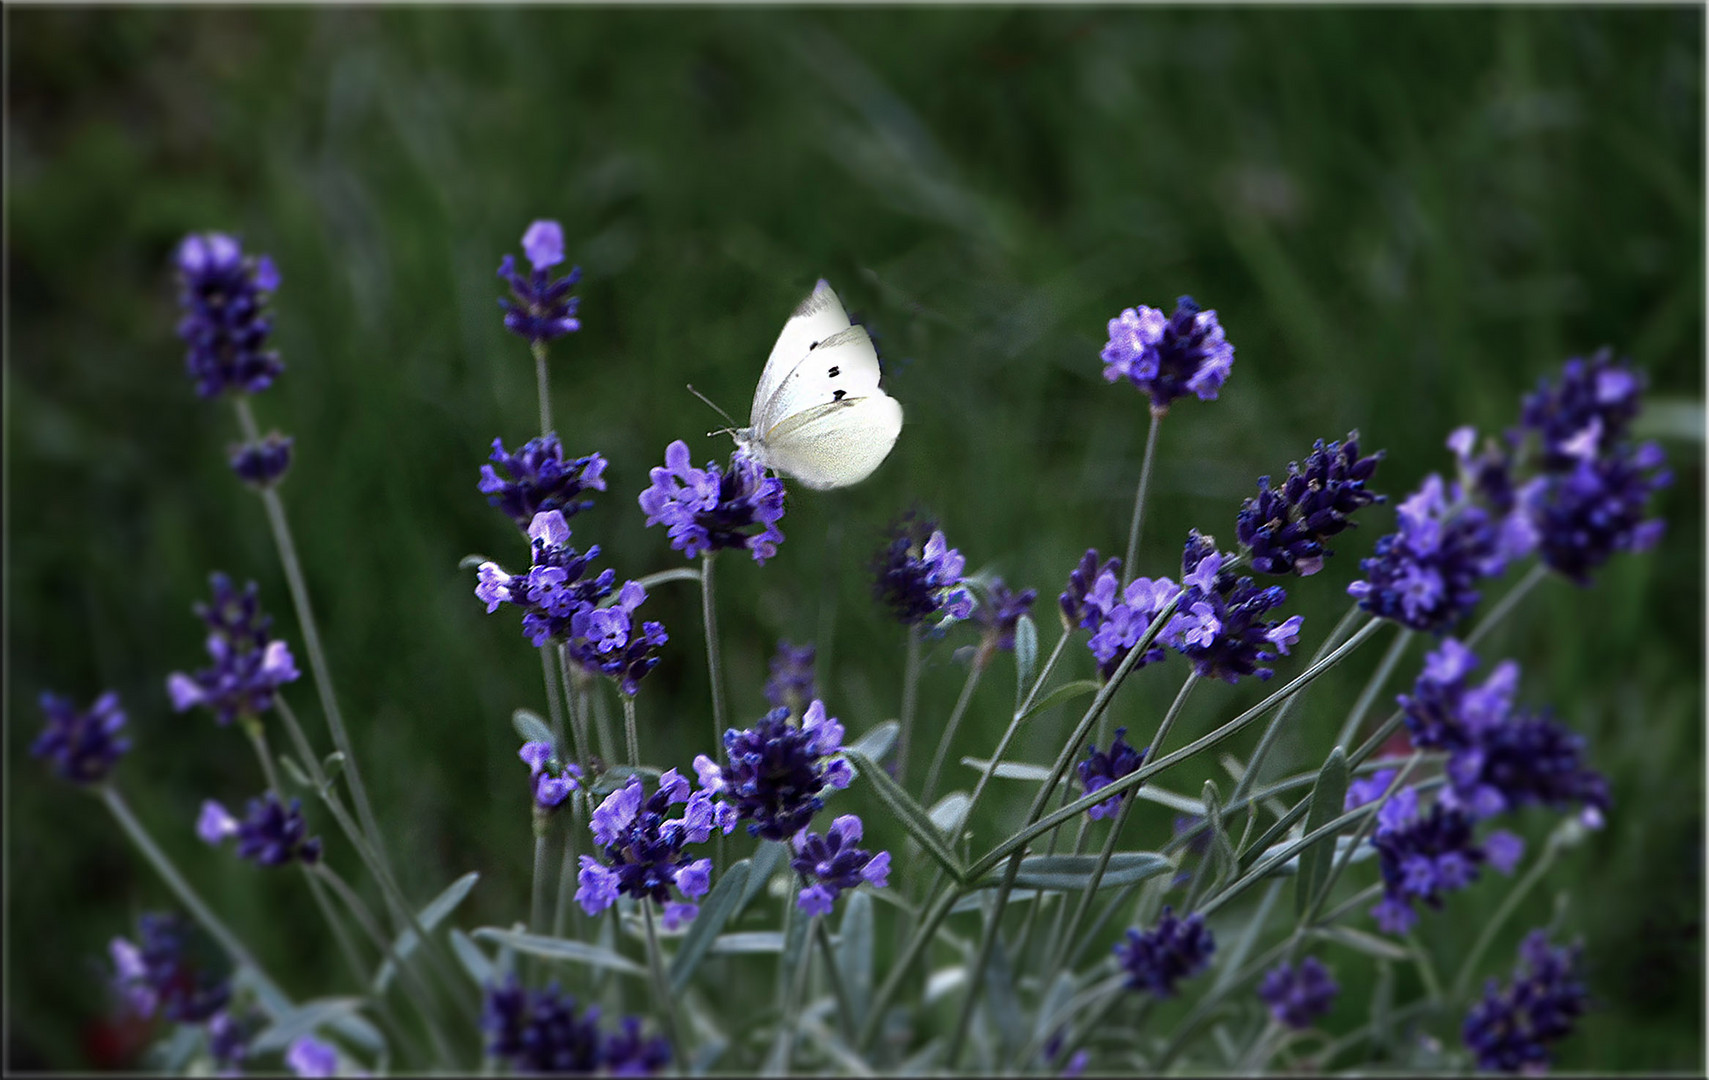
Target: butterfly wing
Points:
(836, 443)
(839, 367)
(815, 319)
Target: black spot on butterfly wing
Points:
(838, 395)
(834, 372)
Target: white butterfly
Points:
(818, 413)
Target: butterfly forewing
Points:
(814, 320)
(841, 367)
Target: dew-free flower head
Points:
(272, 832)
(1513, 1027)
(249, 663)
(1173, 950)
(539, 477)
(1219, 622)
(791, 684)
(1298, 996)
(546, 1031)
(556, 587)
(644, 852)
(714, 508)
(551, 780)
(1168, 356)
(1425, 853)
(1101, 768)
(777, 772)
(1000, 611)
(82, 745)
(540, 307)
(1425, 575)
(831, 863)
(1284, 528)
(918, 576)
(223, 295)
(263, 463)
(170, 969)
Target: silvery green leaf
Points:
(472, 561)
(1011, 770)
(926, 1061)
(429, 917)
(1228, 967)
(748, 943)
(553, 948)
(947, 814)
(296, 772)
(877, 742)
(1292, 866)
(1223, 859)
(172, 1053)
(1055, 1000)
(474, 961)
(1066, 692)
(681, 573)
(975, 901)
(1181, 804)
(945, 981)
(1000, 1000)
(1327, 796)
(770, 855)
(1382, 1006)
(531, 728)
(1026, 654)
(332, 765)
(303, 1020)
(854, 951)
(1362, 941)
(618, 775)
(909, 814)
(1072, 873)
(715, 911)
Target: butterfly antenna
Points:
(715, 409)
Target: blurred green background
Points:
(1403, 218)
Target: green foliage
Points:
(1403, 217)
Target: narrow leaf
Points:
(303, 1020)
(1026, 655)
(1066, 692)
(975, 901)
(1011, 770)
(472, 561)
(715, 911)
(474, 961)
(530, 727)
(877, 742)
(1362, 941)
(1315, 861)
(552, 948)
(909, 814)
(1005, 1008)
(1223, 859)
(295, 771)
(429, 917)
(618, 775)
(748, 943)
(770, 855)
(854, 952)
(333, 765)
(949, 812)
(681, 573)
(1072, 873)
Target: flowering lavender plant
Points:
(896, 931)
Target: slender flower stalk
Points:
(714, 669)
(1139, 495)
(664, 1001)
(910, 701)
(543, 384)
(974, 670)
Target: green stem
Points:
(631, 731)
(554, 701)
(352, 960)
(1463, 981)
(1507, 603)
(714, 669)
(845, 1008)
(420, 996)
(922, 936)
(1373, 686)
(543, 385)
(1014, 726)
(567, 868)
(974, 670)
(665, 1001)
(910, 698)
(537, 893)
(1139, 498)
(235, 949)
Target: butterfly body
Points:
(818, 413)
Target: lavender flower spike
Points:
(540, 478)
(1173, 950)
(1284, 529)
(83, 745)
(223, 295)
(1169, 356)
(715, 508)
(919, 576)
(540, 307)
(832, 863)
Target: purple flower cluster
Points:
(82, 745)
(168, 970)
(644, 850)
(1000, 612)
(831, 863)
(1425, 575)
(919, 576)
(1173, 950)
(249, 663)
(1219, 623)
(1169, 356)
(712, 508)
(611, 641)
(1511, 1028)
(1298, 996)
(540, 306)
(229, 1036)
(777, 771)
(223, 295)
(1593, 403)
(1585, 513)
(309, 1057)
(262, 464)
(540, 478)
(550, 779)
(1284, 529)
(1100, 769)
(543, 1031)
(1424, 854)
(1117, 617)
(271, 833)
(1498, 760)
(791, 683)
